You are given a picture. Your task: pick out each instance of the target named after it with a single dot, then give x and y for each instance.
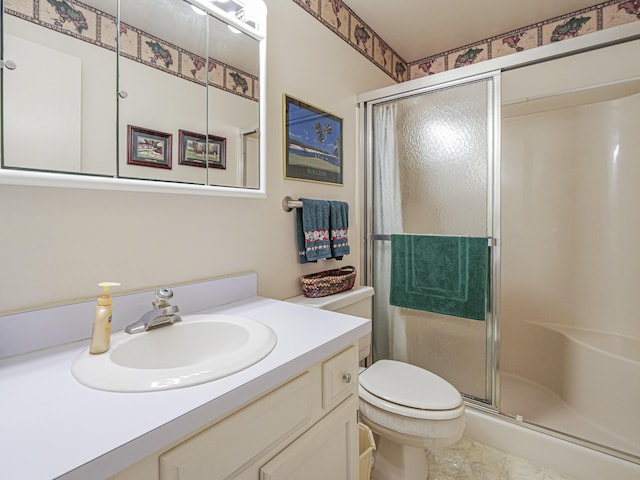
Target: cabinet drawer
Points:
(220, 450)
(339, 377)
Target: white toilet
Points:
(408, 408)
(412, 410)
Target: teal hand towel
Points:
(312, 227)
(440, 274)
(339, 228)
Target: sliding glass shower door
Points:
(431, 158)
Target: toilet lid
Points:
(410, 386)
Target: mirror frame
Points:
(10, 176)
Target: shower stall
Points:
(543, 159)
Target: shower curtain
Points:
(390, 339)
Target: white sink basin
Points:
(199, 349)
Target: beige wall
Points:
(58, 243)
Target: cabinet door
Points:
(59, 107)
(329, 450)
(223, 450)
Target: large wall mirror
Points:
(158, 91)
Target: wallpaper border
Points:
(345, 23)
(88, 24)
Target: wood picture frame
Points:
(192, 147)
(313, 147)
(148, 148)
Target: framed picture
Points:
(148, 147)
(312, 143)
(194, 145)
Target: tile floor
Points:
(471, 460)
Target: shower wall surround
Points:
(569, 330)
(345, 23)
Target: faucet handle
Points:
(170, 310)
(163, 297)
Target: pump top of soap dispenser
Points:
(105, 298)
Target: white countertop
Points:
(52, 426)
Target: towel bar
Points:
(289, 203)
(379, 236)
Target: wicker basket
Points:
(328, 282)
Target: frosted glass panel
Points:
(442, 147)
(431, 157)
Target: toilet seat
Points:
(410, 412)
(411, 391)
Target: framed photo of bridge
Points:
(312, 143)
(193, 147)
(148, 148)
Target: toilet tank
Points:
(357, 302)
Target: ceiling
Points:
(417, 29)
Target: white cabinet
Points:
(339, 377)
(305, 428)
(222, 450)
(328, 450)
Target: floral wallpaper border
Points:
(345, 23)
(71, 17)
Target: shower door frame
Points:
(492, 377)
(593, 41)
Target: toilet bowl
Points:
(409, 409)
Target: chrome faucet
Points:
(162, 315)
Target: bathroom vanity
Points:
(290, 415)
(306, 425)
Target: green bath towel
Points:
(440, 274)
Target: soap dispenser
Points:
(101, 336)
